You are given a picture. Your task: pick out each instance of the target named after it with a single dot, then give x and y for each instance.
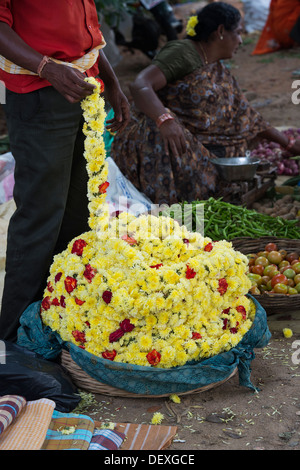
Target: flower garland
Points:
(191, 24)
(144, 290)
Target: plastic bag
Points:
(256, 14)
(7, 181)
(122, 194)
(151, 380)
(24, 373)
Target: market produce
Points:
(223, 220)
(274, 270)
(286, 207)
(273, 153)
(144, 290)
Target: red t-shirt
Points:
(62, 29)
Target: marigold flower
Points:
(78, 247)
(157, 418)
(153, 357)
(190, 273)
(110, 355)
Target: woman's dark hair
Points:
(212, 16)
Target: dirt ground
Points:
(231, 417)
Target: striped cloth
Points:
(10, 408)
(28, 431)
(69, 431)
(83, 63)
(106, 439)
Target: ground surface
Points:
(231, 417)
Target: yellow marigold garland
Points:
(144, 290)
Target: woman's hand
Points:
(68, 81)
(173, 137)
(295, 150)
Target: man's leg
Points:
(43, 128)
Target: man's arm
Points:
(68, 81)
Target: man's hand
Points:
(121, 108)
(68, 81)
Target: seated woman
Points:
(276, 35)
(187, 110)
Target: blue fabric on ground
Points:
(34, 336)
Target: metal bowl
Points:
(237, 169)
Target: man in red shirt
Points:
(46, 51)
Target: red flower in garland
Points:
(225, 321)
(110, 355)
(89, 272)
(226, 311)
(223, 286)
(78, 246)
(55, 302)
(50, 287)
(156, 266)
(129, 240)
(70, 284)
(62, 301)
(190, 273)
(46, 303)
(196, 335)
(116, 335)
(233, 330)
(208, 247)
(79, 336)
(107, 296)
(241, 309)
(103, 187)
(101, 84)
(126, 326)
(153, 357)
(57, 277)
(79, 302)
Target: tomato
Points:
(297, 287)
(291, 256)
(292, 291)
(296, 267)
(271, 247)
(278, 279)
(289, 273)
(280, 288)
(297, 279)
(254, 278)
(251, 257)
(274, 257)
(291, 283)
(263, 253)
(258, 269)
(285, 268)
(262, 260)
(254, 290)
(263, 288)
(265, 280)
(271, 270)
(283, 253)
(269, 285)
(283, 263)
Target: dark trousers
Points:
(50, 193)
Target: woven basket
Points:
(84, 381)
(271, 302)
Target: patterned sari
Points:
(217, 121)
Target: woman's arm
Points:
(273, 135)
(143, 91)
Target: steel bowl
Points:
(237, 169)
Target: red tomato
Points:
(258, 269)
(279, 279)
(271, 247)
(291, 256)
